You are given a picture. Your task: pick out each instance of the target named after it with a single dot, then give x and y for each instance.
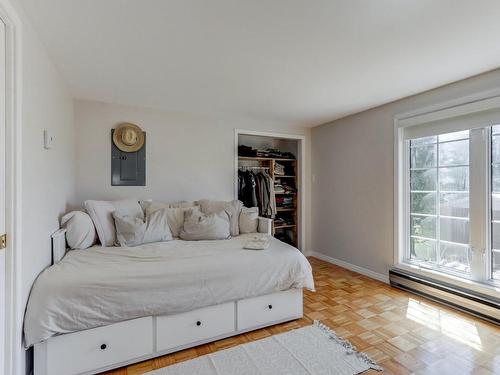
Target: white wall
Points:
(188, 156)
(353, 168)
(48, 176)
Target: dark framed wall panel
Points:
(128, 168)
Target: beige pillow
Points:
(200, 226)
(232, 208)
(80, 230)
(133, 231)
(101, 213)
(151, 206)
(156, 205)
(249, 220)
(175, 216)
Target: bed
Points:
(107, 307)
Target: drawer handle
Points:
(270, 307)
(198, 323)
(103, 346)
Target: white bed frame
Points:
(119, 344)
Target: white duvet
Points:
(103, 285)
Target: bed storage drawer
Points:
(96, 348)
(176, 330)
(254, 312)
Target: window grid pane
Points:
(495, 203)
(496, 265)
(439, 201)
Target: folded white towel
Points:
(257, 243)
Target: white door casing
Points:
(3, 155)
(14, 358)
(301, 179)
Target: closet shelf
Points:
(284, 193)
(284, 226)
(262, 158)
(279, 209)
(282, 176)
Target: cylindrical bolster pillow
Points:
(80, 230)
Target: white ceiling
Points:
(297, 61)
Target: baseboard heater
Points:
(480, 305)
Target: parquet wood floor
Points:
(404, 333)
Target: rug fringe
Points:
(351, 349)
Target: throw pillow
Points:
(249, 220)
(101, 213)
(232, 208)
(133, 231)
(200, 226)
(175, 216)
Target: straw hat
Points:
(128, 137)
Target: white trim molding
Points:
(352, 267)
(487, 289)
(14, 356)
(302, 176)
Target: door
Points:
(3, 306)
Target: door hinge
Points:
(3, 241)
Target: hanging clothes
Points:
(256, 189)
(273, 202)
(247, 188)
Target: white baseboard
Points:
(350, 266)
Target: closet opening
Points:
(269, 175)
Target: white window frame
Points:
(475, 141)
(437, 116)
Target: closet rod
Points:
(245, 168)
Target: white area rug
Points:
(312, 350)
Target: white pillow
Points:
(232, 208)
(175, 216)
(200, 226)
(80, 230)
(133, 231)
(182, 204)
(101, 214)
(249, 220)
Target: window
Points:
(439, 201)
(448, 191)
(495, 202)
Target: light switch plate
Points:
(48, 139)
